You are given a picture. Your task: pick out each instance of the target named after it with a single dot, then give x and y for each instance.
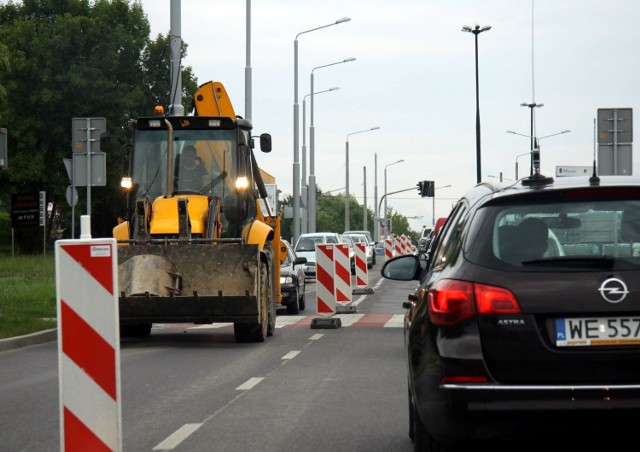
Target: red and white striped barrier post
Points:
(362, 272)
(407, 244)
(397, 243)
(325, 289)
(388, 248)
(88, 343)
(342, 265)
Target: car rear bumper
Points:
(455, 412)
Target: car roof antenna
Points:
(594, 179)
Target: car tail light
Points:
(451, 302)
(495, 300)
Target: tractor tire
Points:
(257, 332)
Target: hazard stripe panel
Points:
(78, 437)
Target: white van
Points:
(306, 247)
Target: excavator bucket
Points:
(189, 282)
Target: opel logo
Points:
(613, 290)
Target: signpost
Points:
(87, 167)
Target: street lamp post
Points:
(346, 197)
(376, 233)
(312, 165)
(476, 31)
(303, 181)
(296, 115)
(433, 215)
(534, 140)
(384, 214)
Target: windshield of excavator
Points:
(207, 162)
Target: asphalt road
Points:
(196, 389)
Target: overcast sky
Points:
(414, 77)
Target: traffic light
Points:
(426, 188)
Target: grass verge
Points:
(27, 295)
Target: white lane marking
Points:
(359, 300)
(250, 383)
(212, 326)
(292, 354)
(174, 440)
(379, 283)
(282, 321)
(349, 319)
(315, 337)
(396, 321)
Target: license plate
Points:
(592, 331)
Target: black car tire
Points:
(374, 257)
(422, 439)
(301, 301)
(293, 307)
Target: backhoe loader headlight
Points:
(242, 183)
(126, 184)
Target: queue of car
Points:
(527, 312)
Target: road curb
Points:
(39, 337)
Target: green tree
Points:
(75, 58)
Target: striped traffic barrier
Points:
(88, 343)
(325, 289)
(342, 272)
(397, 246)
(388, 248)
(362, 272)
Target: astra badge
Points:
(613, 290)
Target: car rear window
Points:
(566, 232)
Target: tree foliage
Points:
(64, 59)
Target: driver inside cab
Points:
(192, 174)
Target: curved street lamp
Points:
(346, 198)
(384, 214)
(312, 164)
(476, 31)
(534, 141)
(296, 114)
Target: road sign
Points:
(72, 196)
(87, 130)
(79, 175)
(564, 171)
(615, 137)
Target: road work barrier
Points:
(88, 343)
(388, 248)
(342, 273)
(325, 288)
(362, 271)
